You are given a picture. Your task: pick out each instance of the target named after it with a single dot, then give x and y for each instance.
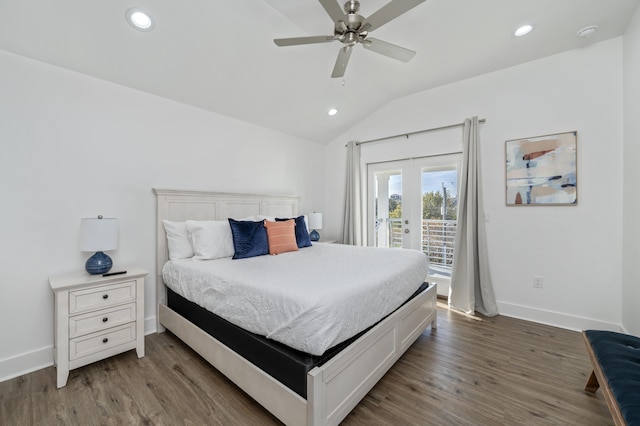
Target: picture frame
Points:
(542, 170)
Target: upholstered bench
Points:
(615, 358)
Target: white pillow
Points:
(212, 239)
(178, 240)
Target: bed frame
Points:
(334, 388)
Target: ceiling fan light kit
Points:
(350, 29)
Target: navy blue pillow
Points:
(302, 235)
(249, 238)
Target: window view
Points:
(439, 219)
(414, 205)
(388, 216)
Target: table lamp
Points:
(99, 235)
(315, 222)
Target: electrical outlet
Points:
(537, 281)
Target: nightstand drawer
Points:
(101, 297)
(97, 342)
(91, 322)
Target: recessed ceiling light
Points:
(139, 19)
(523, 30)
(332, 112)
(587, 32)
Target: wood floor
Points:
(470, 371)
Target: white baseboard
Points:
(26, 362)
(37, 359)
(555, 319)
(150, 326)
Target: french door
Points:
(413, 204)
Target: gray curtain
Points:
(471, 289)
(352, 224)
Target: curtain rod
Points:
(482, 120)
(442, 154)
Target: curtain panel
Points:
(352, 223)
(471, 288)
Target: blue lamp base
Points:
(99, 263)
(314, 236)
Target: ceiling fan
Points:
(351, 29)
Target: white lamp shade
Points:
(315, 220)
(98, 234)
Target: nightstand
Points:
(96, 317)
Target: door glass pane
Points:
(439, 218)
(388, 209)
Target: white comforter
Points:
(309, 300)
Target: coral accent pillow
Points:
(281, 236)
(302, 232)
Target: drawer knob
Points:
(105, 319)
(105, 296)
(105, 340)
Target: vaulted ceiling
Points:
(220, 55)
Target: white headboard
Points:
(181, 205)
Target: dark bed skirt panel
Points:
(287, 365)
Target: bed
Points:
(298, 388)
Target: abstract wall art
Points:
(541, 171)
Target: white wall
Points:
(53, 122)
(631, 205)
(577, 249)
(73, 146)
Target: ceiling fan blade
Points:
(388, 49)
(303, 40)
(388, 12)
(341, 63)
(333, 9)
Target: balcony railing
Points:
(438, 239)
(395, 232)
